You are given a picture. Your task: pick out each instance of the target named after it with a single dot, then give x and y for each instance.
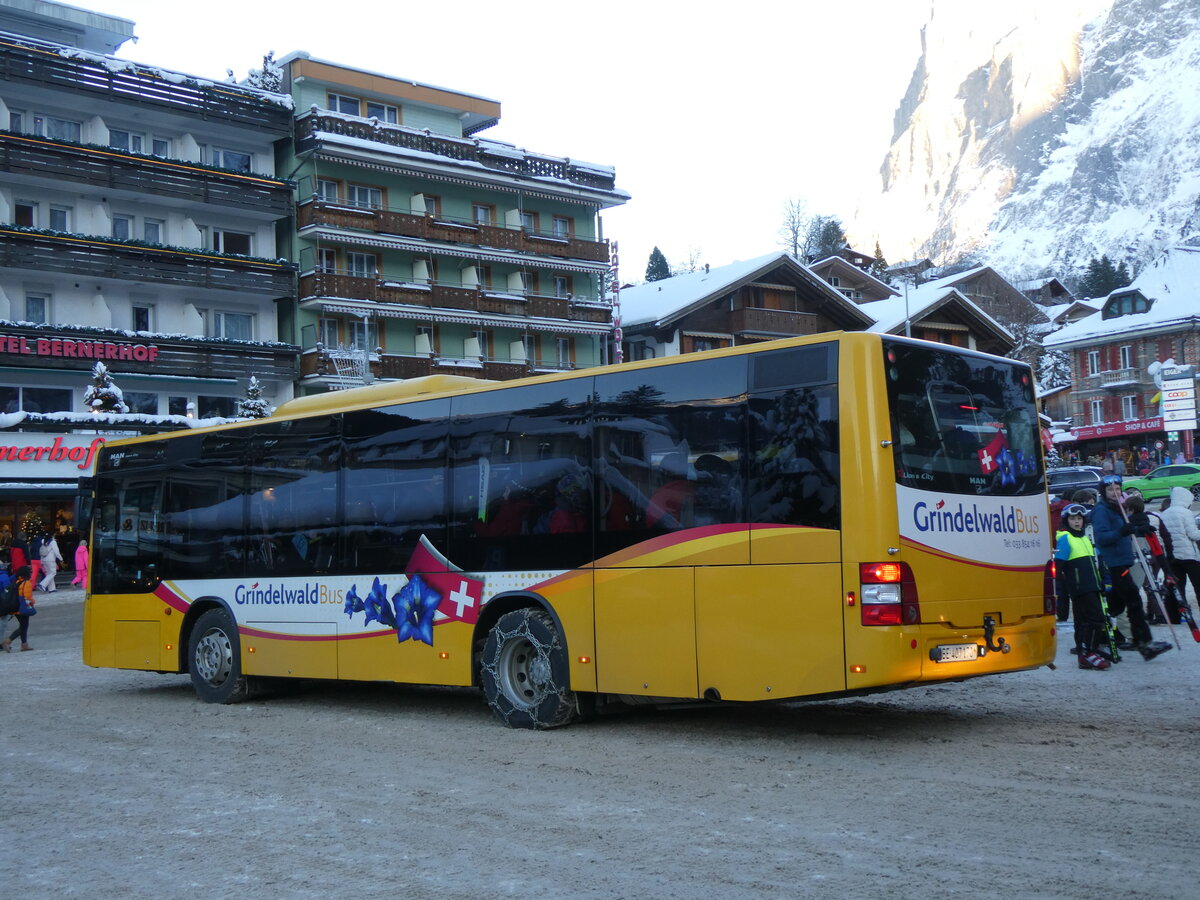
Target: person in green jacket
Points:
(1076, 559)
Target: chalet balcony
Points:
(104, 167)
(42, 65)
(449, 230)
(95, 257)
(772, 321)
(58, 348)
(390, 366)
(1115, 380)
(315, 128)
(440, 296)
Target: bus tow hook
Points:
(989, 628)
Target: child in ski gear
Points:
(1112, 540)
(25, 586)
(1080, 572)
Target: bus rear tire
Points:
(525, 674)
(215, 659)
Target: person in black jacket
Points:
(1080, 573)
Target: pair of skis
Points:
(1156, 589)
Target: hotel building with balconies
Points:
(424, 249)
(138, 216)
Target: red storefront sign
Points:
(69, 348)
(1115, 429)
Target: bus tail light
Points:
(888, 594)
(1049, 594)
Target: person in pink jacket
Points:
(81, 565)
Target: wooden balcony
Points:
(103, 167)
(93, 257)
(772, 321)
(59, 348)
(406, 224)
(42, 65)
(315, 128)
(473, 299)
(395, 366)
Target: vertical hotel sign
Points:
(618, 334)
(1179, 398)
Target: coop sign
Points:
(25, 455)
(69, 348)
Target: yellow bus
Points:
(808, 518)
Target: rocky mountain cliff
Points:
(1035, 138)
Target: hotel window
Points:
(326, 260)
(231, 242)
(57, 129)
(562, 285)
(126, 140)
(363, 335)
(143, 402)
(1093, 359)
(122, 228)
(483, 213)
(60, 218)
(484, 337)
(153, 231)
(327, 190)
(364, 196)
(430, 335)
(433, 205)
(25, 213)
(160, 146)
(485, 275)
(529, 221)
(383, 112)
(178, 406)
(1129, 407)
(562, 352)
(529, 280)
(327, 332)
(233, 326)
(16, 121)
(1127, 356)
(224, 158)
(1097, 412)
(37, 308)
(362, 265)
(530, 342)
(563, 227)
(143, 318)
(343, 104)
(46, 400)
(216, 407)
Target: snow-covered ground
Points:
(1062, 783)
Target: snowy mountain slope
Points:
(1038, 138)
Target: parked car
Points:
(1160, 481)
(1065, 481)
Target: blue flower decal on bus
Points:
(415, 607)
(377, 607)
(353, 601)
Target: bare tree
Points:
(794, 227)
(691, 263)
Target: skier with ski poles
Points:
(1080, 573)
(1112, 535)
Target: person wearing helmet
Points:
(1112, 540)
(1079, 572)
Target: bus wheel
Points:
(525, 674)
(214, 659)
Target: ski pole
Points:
(1154, 589)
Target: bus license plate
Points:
(955, 652)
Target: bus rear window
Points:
(962, 423)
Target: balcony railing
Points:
(317, 363)
(449, 230)
(49, 66)
(474, 299)
(117, 169)
(95, 257)
(1115, 379)
(772, 321)
(311, 128)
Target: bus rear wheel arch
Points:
(215, 659)
(524, 671)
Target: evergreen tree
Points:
(253, 406)
(825, 237)
(1053, 369)
(269, 77)
(657, 268)
(878, 267)
(102, 395)
(1101, 277)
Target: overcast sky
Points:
(712, 114)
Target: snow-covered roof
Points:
(1172, 282)
(890, 314)
(657, 302)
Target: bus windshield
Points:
(962, 424)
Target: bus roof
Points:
(376, 394)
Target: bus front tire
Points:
(525, 675)
(215, 659)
